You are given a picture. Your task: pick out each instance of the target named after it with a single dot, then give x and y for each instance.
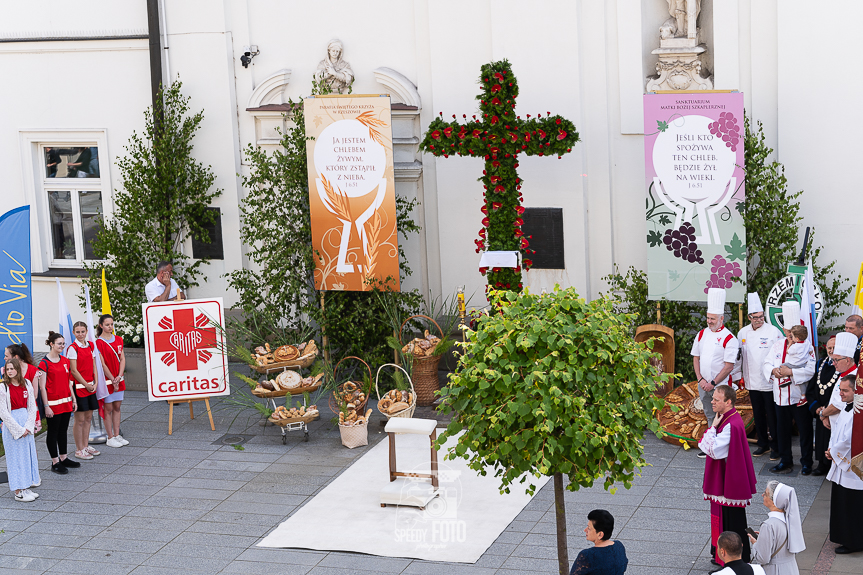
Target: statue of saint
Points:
(678, 25)
(334, 70)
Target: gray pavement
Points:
(182, 503)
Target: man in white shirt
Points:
(789, 395)
(756, 340)
(163, 287)
(846, 497)
(714, 353)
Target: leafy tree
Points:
(278, 288)
(553, 385)
(162, 202)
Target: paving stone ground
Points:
(166, 504)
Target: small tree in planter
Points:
(553, 385)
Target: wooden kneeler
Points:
(173, 402)
(397, 495)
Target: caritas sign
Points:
(185, 352)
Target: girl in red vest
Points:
(114, 364)
(57, 389)
(30, 372)
(83, 364)
(18, 414)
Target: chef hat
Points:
(846, 344)
(790, 314)
(716, 301)
(755, 303)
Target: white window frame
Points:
(37, 186)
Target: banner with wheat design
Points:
(352, 191)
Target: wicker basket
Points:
(424, 370)
(354, 435)
(409, 412)
(301, 419)
(284, 392)
(334, 403)
(304, 361)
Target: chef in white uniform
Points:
(756, 340)
(714, 352)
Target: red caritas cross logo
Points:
(186, 340)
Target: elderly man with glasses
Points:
(756, 340)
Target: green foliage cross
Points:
(500, 136)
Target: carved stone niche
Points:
(267, 105)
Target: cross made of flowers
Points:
(500, 136)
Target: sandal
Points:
(92, 451)
(83, 455)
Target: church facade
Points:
(80, 83)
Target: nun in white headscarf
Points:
(780, 538)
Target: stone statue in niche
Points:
(335, 70)
(680, 49)
(683, 12)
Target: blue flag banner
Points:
(16, 302)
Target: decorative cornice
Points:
(271, 90)
(398, 83)
(75, 35)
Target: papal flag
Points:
(858, 294)
(106, 302)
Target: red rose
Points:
(561, 135)
(495, 179)
(496, 88)
(476, 133)
(541, 134)
(447, 132)
(557, 121)
(494, 150)
(513, 138)
(436, 134)
(527, 137)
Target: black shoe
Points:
(701, 455)
(782, 468)
(807, 470)
(774, 456)
(59, 468)
(819, 471)
(842, 550)
(69, 463)
(760, 451)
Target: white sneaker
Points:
(33, 493)
(114, 442)
(121, 439)
(25, 495)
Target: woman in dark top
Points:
(606, 557)
(818, 394)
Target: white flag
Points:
(807, 307)
(65, 322)
(101, 384)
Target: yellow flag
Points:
(858, 295)
(106, 303)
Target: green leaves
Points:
(654, 238)
(736, 250)
(661, 126)
(552, 384)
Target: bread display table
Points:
(687, 424)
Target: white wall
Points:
(584, 73)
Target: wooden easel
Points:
(173, 402)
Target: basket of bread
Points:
(396, 402)
(424, 353)
(267, 359)
(349, 400)
(289, 382)
(301, 414)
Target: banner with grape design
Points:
(693, 146)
